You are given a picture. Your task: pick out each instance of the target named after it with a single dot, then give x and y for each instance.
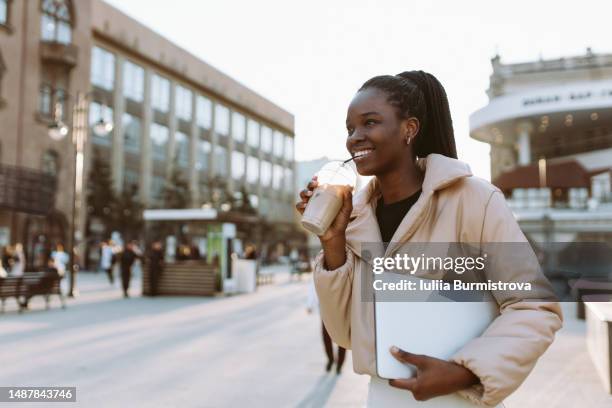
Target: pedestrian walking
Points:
(156, 265)
(312, 305)
(19, 261)
(126, 260)
(106, 260)
(60, 259)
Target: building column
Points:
(230, 150)
(194, 138)
(146, 164)
(171, 130)
(260, 156)
(523, 144)
(118, 110)
(212, 162)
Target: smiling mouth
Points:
(362, 154)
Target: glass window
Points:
(288, 148)
(183, 103)
(238, 127)
(221, 119)
(157, 187)
(159, 139)
(220, 160)
(50, 99)
(252, 169)
(266, 173)
(133, 81)
(204, 112)
(254, 200)
(278, 177)
(56, 21)
(102, 68)
(264, 208)
(238, 165)
(266, 139)
(278, 143)
(3, 11)
(160, 93)
(97, 112)
(288, 187)
(253, 133)
(131, 133)
(44, 102)
(203, 156)
(131, 179)
(181, 146)
(50, 162)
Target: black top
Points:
(391, 215)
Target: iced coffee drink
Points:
(326, 200)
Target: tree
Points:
(127, 213)
(245, 202)
(101, 195)
(176, 190)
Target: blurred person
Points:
(127, 257)
(106, 260)
(19, 261)
(400, 132)
(156, 265)
(8, 258)
(60, 259)
(195, 252)
(312, 305)
(250, 252)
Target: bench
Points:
(31, 284)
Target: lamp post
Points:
(58, 130)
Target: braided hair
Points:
(419, 94)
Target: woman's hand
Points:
(434, 377)
(337, 229)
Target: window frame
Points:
(53, 13)
(6, 25)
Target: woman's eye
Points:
(349, 131)
(370, 122)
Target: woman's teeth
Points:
(361, 154)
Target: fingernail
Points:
(394, 349)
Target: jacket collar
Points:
(440, 172)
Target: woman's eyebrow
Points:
(369, 113)
(364, 114)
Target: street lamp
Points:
(58, 130)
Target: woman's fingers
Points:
(404, 383)
(305, 194)
(417, 360)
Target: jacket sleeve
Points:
(334, 289)
(507, 351)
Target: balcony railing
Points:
(26, 190)
(59, 53)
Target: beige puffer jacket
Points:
(454, 206)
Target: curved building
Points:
(549, 125)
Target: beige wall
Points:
(24, 134)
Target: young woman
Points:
(400, 131)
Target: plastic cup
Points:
(326, 200)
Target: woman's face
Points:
(376, 136)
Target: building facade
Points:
(173, 115)
(549, 125)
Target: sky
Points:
(311, 57)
